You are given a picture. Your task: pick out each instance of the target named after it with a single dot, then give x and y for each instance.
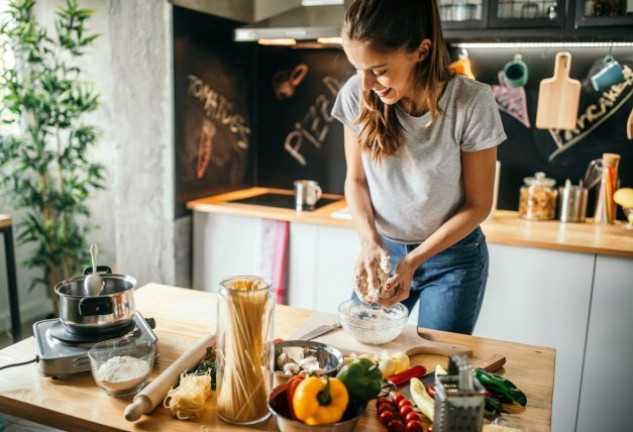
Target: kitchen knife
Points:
(319, 331)
(490, 364)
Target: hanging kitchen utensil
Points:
(629, 126)
(93, 284)
(558, 97)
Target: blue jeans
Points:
(450, 285)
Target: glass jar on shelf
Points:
(537, 198)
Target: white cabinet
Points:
(321, 268)
(607, 382)
(224, 246)
(541, 297)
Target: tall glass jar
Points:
(245, 352)
(605, 206)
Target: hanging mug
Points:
(515, 72)
(609, 75)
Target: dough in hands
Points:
(371, 294)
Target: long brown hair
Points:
(390, 25)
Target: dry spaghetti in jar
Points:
(537, 198)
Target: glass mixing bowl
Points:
(371, 323)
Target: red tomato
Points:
(386, 417)
(385, 407)
(404, 402)
(382, 400)
(398, 397)
(395, 426)
(430, 390)
(412, 416)
(405, 410)
(414, 426)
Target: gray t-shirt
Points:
(417, 189)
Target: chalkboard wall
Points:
(296, 136)
(213, 97)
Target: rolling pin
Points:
(145, 401)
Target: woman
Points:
(420, 147)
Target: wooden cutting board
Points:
(409, 340)
(558, 97)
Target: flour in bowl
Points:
(122, 373)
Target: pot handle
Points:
(100, 269)
(92, 306)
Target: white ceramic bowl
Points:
(122, 366)
(370, 323)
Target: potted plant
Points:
(44, 167)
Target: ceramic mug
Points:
(609, 75)
(515, 72)
(307, 193)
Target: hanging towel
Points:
(274, 256)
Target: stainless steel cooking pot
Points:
(111, 310)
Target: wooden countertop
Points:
(182, 317)
(504, 228)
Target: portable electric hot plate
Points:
(63, 353)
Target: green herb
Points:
(207, 365)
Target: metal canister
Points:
(572, 202)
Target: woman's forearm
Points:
(450, 232)
(359, 204)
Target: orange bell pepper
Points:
(320, 400)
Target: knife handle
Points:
(492, 363)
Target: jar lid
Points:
(539, 179)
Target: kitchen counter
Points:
(504, 228)
(182, 317)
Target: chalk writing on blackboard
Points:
(285, 82)
(511, 100)
(315, 124)
(610, 101)
(205, 147)
(218, 108)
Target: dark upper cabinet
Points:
(604, 13)
(520, 20)
(463, 14)
(527, 14)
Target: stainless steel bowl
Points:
(330, 359)
(278, 406)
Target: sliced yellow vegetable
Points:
(422, 399)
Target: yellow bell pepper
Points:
(320, 400)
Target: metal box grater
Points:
(459, 398)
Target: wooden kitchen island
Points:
(182, 317)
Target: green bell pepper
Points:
(363, 380)
(497, 384)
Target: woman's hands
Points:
(372, 271)
(400, 282)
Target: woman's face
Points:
(388, 74)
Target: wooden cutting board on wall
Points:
(410, 340)
(558, 97)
